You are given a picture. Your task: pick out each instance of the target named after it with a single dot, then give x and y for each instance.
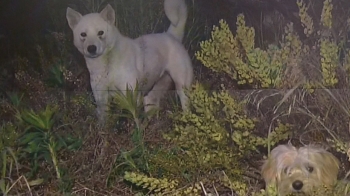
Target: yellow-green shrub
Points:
(210, 141)
(273, 67)
(329, 48)
(237, 56)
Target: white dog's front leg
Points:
(101, 98)
(100, 92)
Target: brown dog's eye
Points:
(309, 169)
(83, 34)
(285, 170)
(100, 33)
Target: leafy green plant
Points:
(8, 135)
(9, 164)
(136, 159)
(130, 106)
(8, 156)
(40, 140)
(56, 77)
(8, 161)
(15, 99)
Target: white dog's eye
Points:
(285, 170)
(83, 34)
(100, 33)
(309, 169)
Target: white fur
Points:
(116, 61)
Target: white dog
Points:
(300, 170)
(116, 62)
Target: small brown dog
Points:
(298, 171)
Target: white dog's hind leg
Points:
(158, 91)
(151, 101)
(181, 71)
(183, 98)
(182, 81)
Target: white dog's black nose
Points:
(92, 49)
(297, 185)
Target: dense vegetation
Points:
(251, 92)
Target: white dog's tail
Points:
(176, 11)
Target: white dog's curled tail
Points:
(176, 11)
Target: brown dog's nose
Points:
(297, 185)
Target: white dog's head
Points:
(300, 170)
(93, 32)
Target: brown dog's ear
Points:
(269, 171)
(108, 14)
(329, 167)
(73, 17)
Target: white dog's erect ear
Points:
(108, 14)
(73, 17)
